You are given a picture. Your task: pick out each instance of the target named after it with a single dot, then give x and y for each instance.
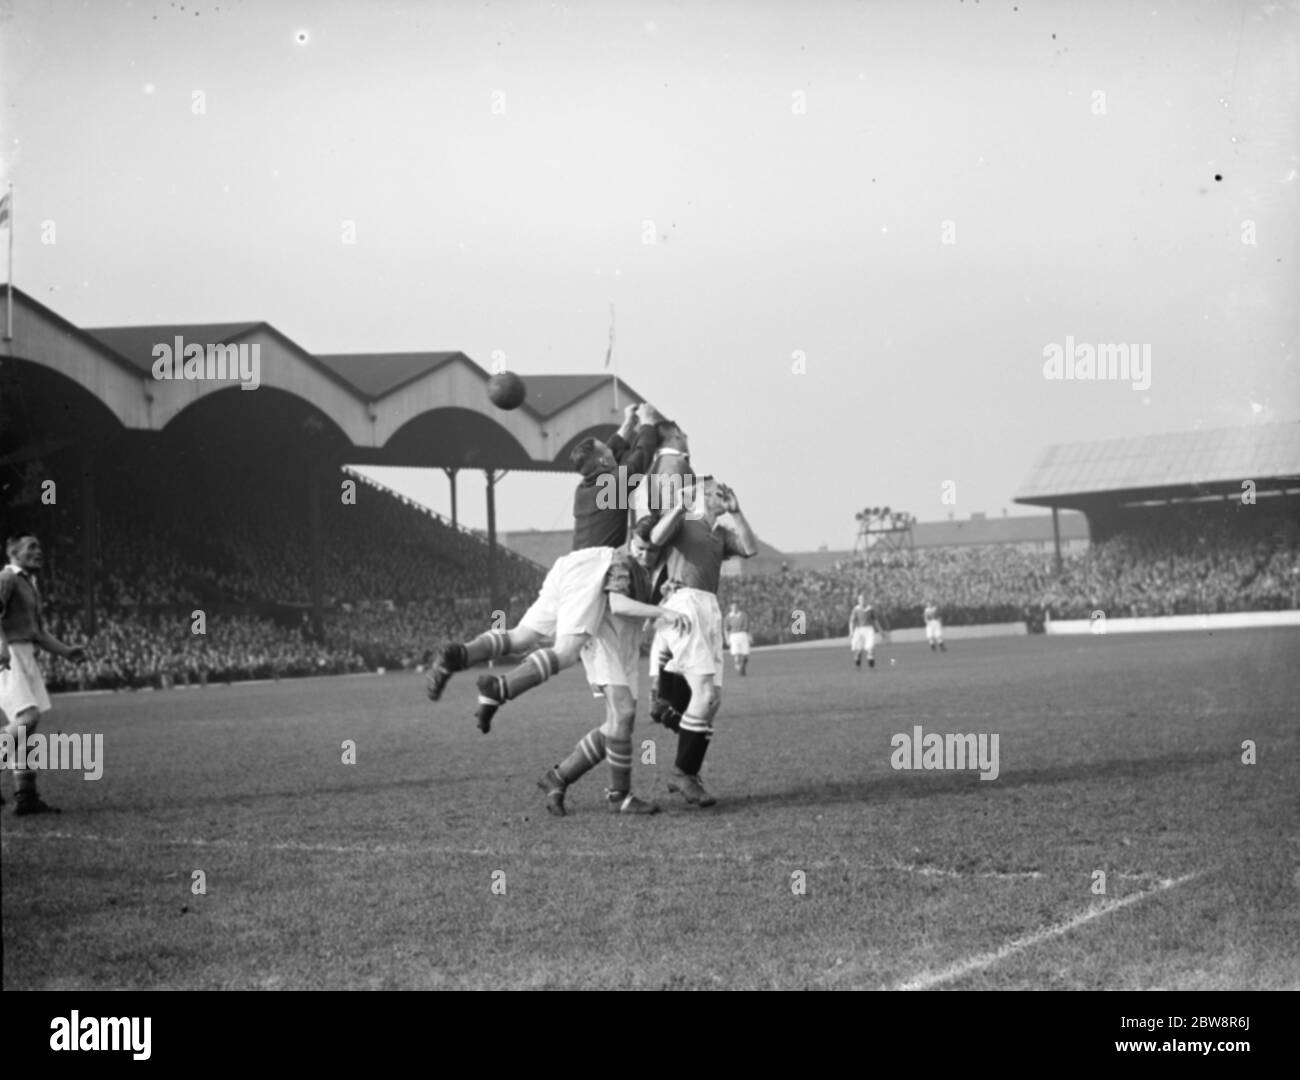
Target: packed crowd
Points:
(1211, 567)
(133, 651)
(176, 548)
(395, 579)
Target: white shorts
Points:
(572, 600)
(739, 643)
(21, 684)
(612, 656)
(699, 651)
(933, 630)
(864, 639)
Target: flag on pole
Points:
(609, 357)
(6, 219)
(609, 353)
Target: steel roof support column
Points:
(1056, 537)
(89, 541)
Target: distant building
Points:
(1028, 533)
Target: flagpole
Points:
(609, 356)
(9, 288)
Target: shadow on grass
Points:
(939, 784)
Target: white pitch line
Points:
(576, 853)
(926, 980)
(571, 853)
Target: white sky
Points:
(778, 230)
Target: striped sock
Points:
(589, 753)
(487, 646)
(693, 744)
(537, 667)
(620, 764)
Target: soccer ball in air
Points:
(507, 390)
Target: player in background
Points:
(22, 687)
(863, 627)
(737, 626)
(611, 658)
(697, 544)
(933, 627)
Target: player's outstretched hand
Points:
(76, 654)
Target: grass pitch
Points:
(1120, 754)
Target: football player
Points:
(738, 637)
(933, 627)
(863, 627)
(611, 657)
(598, 519)
(697, 543)
(22, 687)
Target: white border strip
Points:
(926, 980)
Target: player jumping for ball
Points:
(863, 627)
(598, 523)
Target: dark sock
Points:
(692, 744)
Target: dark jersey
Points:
(696, 554)
(737, 623)
(20, 605)
(599, 504)
(863, 617)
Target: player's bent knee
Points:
(620, 723)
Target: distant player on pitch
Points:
(863, 627)
(738, 637)
(934, 627)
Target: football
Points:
(507, 390)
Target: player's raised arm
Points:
(618, 443)
(639, 456)
(741, 539)
(666, 527)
